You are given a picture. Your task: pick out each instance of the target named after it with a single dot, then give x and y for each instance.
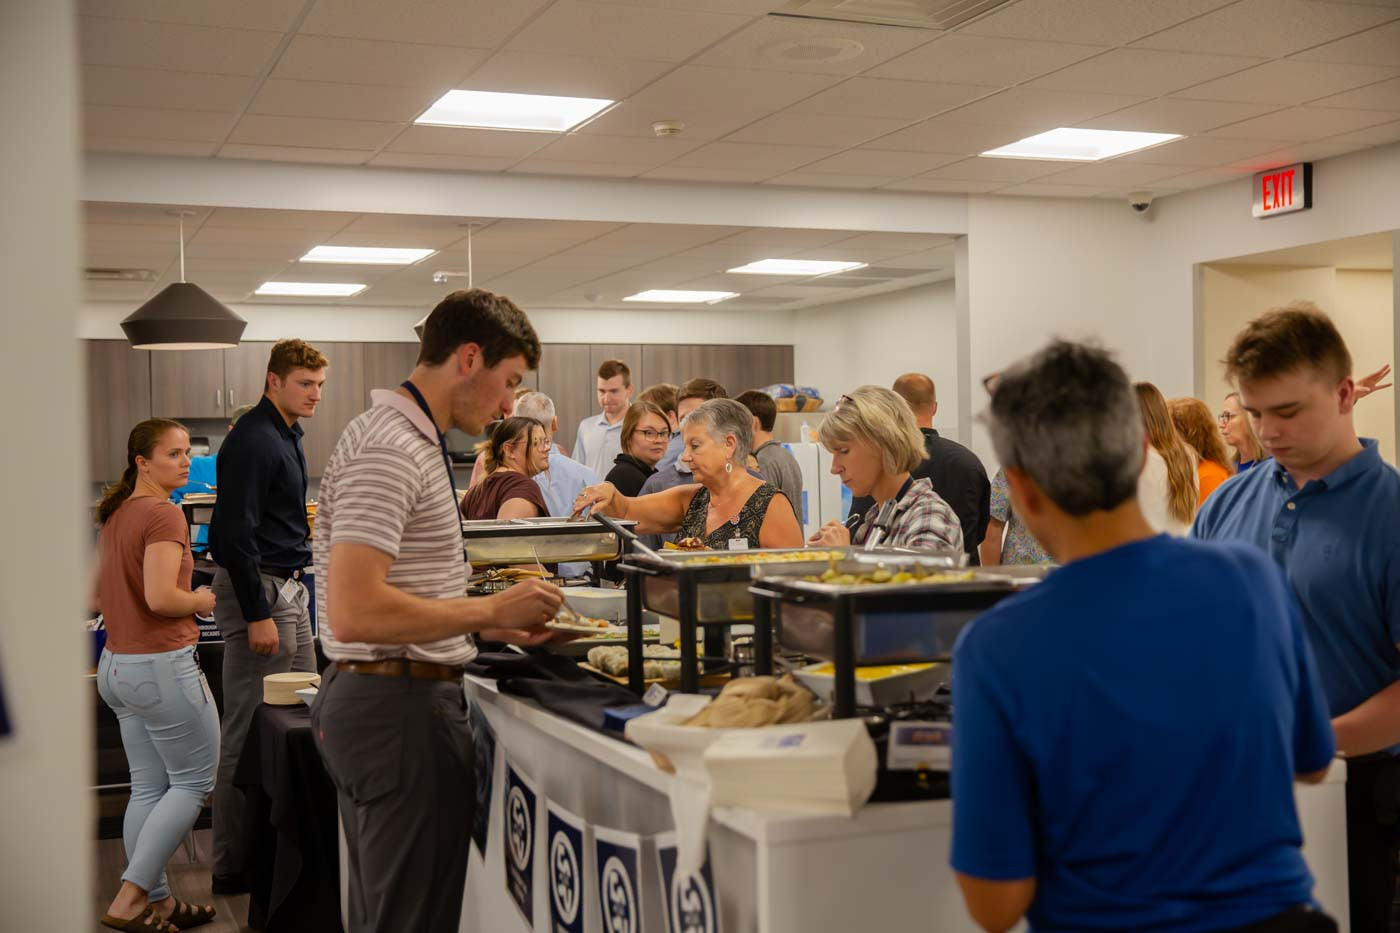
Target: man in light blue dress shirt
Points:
(565, 478)
(599, 437)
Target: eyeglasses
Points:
(541, 444)
(651, 435)
(1225, 417)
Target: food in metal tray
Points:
(836, 577)
(759, 557)
(751, 702)
(685, 544)
(573, 622)
(660, 662)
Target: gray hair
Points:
(721, 418)
(1067, 417)
(535, 405)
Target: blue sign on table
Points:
(519, 848)
(567, 888)
(484, 747)
(691, 904)
(619, 887)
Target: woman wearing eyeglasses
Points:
(517, 450)
(1239, 434)
(646, 433)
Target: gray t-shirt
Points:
(780, 468)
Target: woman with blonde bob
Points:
(874, 442)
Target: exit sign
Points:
(1283, 190)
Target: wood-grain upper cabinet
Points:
(630, 353)
(118, 396)
(386, 365)
(343, 396)
(187, 384)
(245, 374)
(736, 368)
(567, 377)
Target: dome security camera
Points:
(1140, 201)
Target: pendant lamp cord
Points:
(469, 255)
(182, 248)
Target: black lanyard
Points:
(442, 438)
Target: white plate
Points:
(307, 694)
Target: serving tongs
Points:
(627, 534)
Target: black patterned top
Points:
(745, 525)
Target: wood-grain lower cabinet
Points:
(118, 397)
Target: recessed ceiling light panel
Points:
(796, 267)
(497, 111)
(311, 289)
(673, 296)
(367, 255)
(1076, 145)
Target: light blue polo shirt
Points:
(1338, 542)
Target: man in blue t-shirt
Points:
(1326, 508)
(1125, 750)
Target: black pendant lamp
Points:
(183, 316)
(418, 328)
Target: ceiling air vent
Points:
(95, 274)
(921, 14)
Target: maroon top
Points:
(484, 500)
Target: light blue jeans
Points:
(170, 730)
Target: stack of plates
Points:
(281, 689)
(819, 768)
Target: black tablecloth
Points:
(293, 843)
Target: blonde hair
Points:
(879, 417)
(1183, 483)
(1256, 446)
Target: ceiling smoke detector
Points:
(442, 275)
(664, 128)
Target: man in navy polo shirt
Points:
(1125, 750)
(1326, 508)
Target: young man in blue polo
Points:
(1326, 509)
(1127, 731)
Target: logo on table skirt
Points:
(565, 877)
(692, 910)
(518, 823)
(620, 901)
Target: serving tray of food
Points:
(535, 540)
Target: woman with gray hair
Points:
(874, 442)
(726, 507)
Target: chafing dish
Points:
(715, 583)
(548, 540)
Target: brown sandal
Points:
(188, 916)
(147, 922)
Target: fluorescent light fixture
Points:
(492, 110)
(672, 296)
(311, 289)
(1071, 145)
(367, 255)
(796, 267)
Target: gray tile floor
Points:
(189, 881)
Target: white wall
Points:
(1364, 310)
(46, 767)
(871, 341)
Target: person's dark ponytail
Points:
(141, 442)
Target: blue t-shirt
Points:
(1338, 542)
(1127, 732)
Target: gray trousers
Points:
(243, 691)
(399, 752)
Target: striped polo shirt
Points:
(386, 486)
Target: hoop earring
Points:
(729, 466)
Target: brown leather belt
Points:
(398, 667)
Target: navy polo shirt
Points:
(1132, 744)
(1338, 542)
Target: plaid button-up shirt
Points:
(920, 519)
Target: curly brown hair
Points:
(1198, 427)
(288, 355)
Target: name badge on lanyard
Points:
(738, 544)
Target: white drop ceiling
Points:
(539, 263)
(1251, 83)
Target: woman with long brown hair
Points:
(1169, 491)
(515, 452)
(1197, 427)
(149, 674)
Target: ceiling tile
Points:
(791, 238)
(629, 119)
(444, 161)
(943, 134)
(445, 140)
(816, 130)
(747, 7)
(978, 60)
(1036, 107)
(752, 157)
(1204, 177)
(274, 15)
(617, 31)
(1102, 22)
(822, 180)
(176, 147)
(878, 97)
(265, 130)
(285, 240)
(281, 97)
(784, 43)
(1384, 95)
(111, 122)
(1267, 28)
(1112, 174)
(1038, 189)
(1002, 170)
(647, 153)
(1173, 115)
(1287, 82)
(431, 22)
(719, 89)
(387, 64)
(137, 44)
(257, 218)
(697, 173)
(1143, 71)
(295, 154)
(881, 162)
(903, 242)
(1302, 124)
(596, 169)
(1326, 147)
(145, 87)
(564, 75)
(1198, 151)
(1378, 46)
(127, 292)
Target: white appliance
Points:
(824, 499)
